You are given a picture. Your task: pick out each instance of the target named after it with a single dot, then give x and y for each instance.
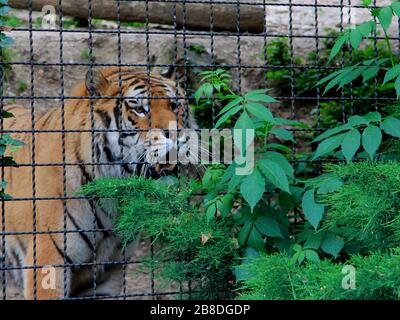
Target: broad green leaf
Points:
(374, 116)
(351, 75)
(396, 8)
(244, 233)
(289, 122)
(234, 182)
(338, 45)
(392, 73)
(328, 145)
(314, 240)
(332, 244)
(385, 17)
(371, 139)
(259, 111)
(357, 120)
(355, 38)
(244, 122)
(260, 97)
(210, 212)
(268, 226)
(312, 210)
(230, 105)
(281, 160)
(274, 173)
(252, 188)
(366, 3)
(351, 143)
(312, 255)
(283, 134)
(286, 201)
(331, 132)
(397, 87)
(391, 126)
(227, 115)
(208, 90)
(329, 185)
(278, 146)
(370, 73)
(255, 240)
(366, 28)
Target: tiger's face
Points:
(146, 122)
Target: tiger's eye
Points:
(140, 109)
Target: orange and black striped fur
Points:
(48, 216)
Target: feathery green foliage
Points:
(276, 277)
(367, 205)
(191, 248)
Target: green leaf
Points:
(283, 134)
(357, 121)
(260, 97)
(268, 227)
(312, 255)
(314, 240)
(355, 38)
(338, 45)
(351, 143)
(392, 73)
(371, 139)
(332, 244)
(385, 17)
(230, 105)
(370, 72)
(331, 132)
(397, 87)
(312, 210)
(366, 28)
(373, 116)
(259, 111)
(278, 146)
(234, 182)
(255, 240)
(252, 188)
(244, 122)
(227, 115)
(396, 8)
(391, 126)
(244, 233)
(274, 173)
(329, 185)
(281, 160)
(366, 3)
(328, 145)
(210, 212)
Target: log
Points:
(197, 14)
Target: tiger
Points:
(125, 124)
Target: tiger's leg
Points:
(49, 280)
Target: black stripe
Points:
(105, 118)
(98, 220)
(82, 234)
(117, 110)
(61, 252)
(127, 168)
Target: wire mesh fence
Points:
(241, 48)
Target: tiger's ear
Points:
(96, 83)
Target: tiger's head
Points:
(139, 120)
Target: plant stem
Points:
(392, 58)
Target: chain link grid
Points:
(236, 66)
